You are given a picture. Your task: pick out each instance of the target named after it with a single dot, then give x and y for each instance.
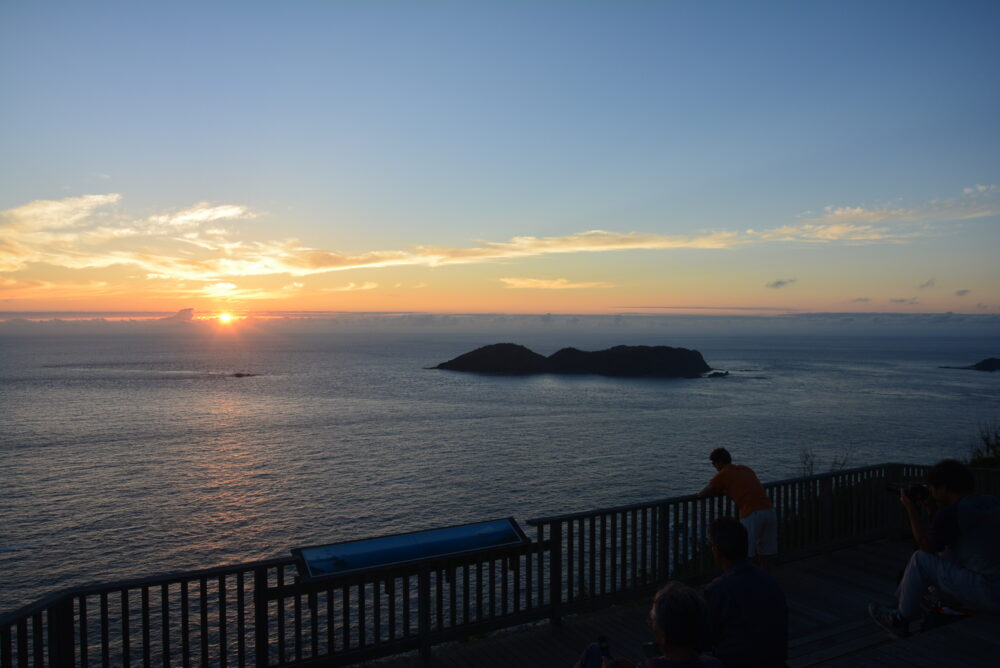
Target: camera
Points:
(915, 491)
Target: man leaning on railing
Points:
(959, 551)
(757, 514)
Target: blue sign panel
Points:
(338, 558)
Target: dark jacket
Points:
(749, 618)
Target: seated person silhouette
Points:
(748, 614)
(959, 551)
(679, 620)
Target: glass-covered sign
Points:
(338, 558)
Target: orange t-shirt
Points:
(740, 484)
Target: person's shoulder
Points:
(756, 572)
(978, 500)
(759, 578)
(723, 586)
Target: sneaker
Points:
(889, 619)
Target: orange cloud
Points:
(550, 284)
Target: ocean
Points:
(133, 451)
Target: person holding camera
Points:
(959, 549)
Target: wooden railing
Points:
(260, 614)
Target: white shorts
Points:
(762, 530)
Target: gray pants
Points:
(975, 591)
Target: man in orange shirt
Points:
(757, 514)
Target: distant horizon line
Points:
(745, 311)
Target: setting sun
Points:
(225, 318)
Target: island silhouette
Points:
(625, 361)
(988, 364)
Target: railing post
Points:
(555, 572)
(826, 508)
(424, 611)
(663, 543)
(262, 654)
(61, 633)
(894, 523)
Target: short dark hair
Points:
(730, 536)
(681, 614)
(721, 456)
(953, 475)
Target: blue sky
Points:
(357, 128)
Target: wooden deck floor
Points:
(829, 623)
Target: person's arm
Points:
(709, 490)
(714, 487)
(942, 531)
(917, 527)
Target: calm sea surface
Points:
(138, 454)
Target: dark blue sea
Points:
(131, 451)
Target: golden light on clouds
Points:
(89, 250)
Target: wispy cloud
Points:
(974, 202)
(54, 214)
(779, 283)
(551, 284)
(962, 293)
(812, 232)
(929, 283)
(902, 300)
(74, 233)
(860, 300)
(860, 224)
(771, 309)
(352, 287)
(81, 233)
(204, 245)
(201, 213)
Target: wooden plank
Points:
(861, 642)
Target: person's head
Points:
(950, 480)
(679, 617)
(730, 542)
(720, 457)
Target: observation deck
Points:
(537, 604)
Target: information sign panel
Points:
(319, 561)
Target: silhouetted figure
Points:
(959, 550)
(757, 514)
(747, 609)
(679, 619)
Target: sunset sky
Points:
(565, 157)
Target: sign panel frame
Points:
(317, 562)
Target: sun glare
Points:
(225, 318)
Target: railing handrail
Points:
(179, 576)
(163, 578)
(691, 497)
(646, 543)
